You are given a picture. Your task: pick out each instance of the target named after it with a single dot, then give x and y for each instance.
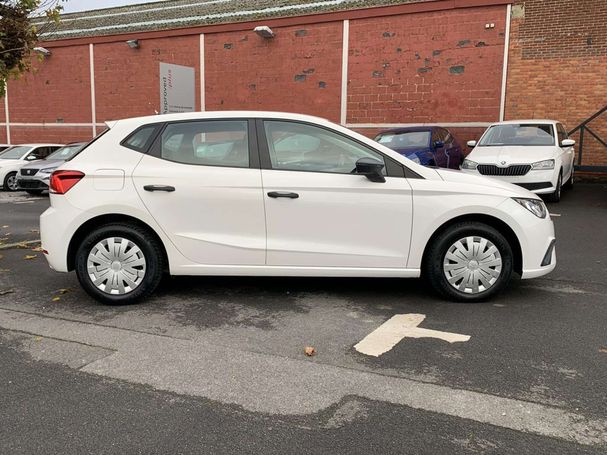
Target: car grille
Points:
(32, 185)
(29, 171)
(515, 169)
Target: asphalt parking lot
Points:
(217, 365)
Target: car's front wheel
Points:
(10, 182)
(119, 264)
(468, 262)
(556, 195)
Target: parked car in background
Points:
(535, 154)
(34, 177)
(274, 194)
(3, 147)
(428, 146)
(16, 156)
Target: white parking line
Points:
(400, 326)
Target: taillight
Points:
(63, 181)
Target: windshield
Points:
(409, 139)
(65, 153)
(14, 153)
(527, 134)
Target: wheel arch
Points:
(100, 220)
(501, 226)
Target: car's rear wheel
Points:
(469, 262)
(556, 195)
(10, 182)
(119, 264)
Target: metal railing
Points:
(584, 129)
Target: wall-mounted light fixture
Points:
(264, 31)
(133, 43)
(42, 51)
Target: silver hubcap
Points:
(472, 265)
(12, 182)
(116, 265)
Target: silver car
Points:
(34, 177)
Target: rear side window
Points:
(141, 138)
(207, 143)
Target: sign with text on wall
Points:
(176, 89)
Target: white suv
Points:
(535, 154)
(262, 193)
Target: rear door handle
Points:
(276, 194)
(167, 188)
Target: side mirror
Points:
(31, 158)
(371, 168)
(471, 144)
(567, 143)
(439, 144)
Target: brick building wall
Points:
(558, 65)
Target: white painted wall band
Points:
(505, 63)
(407, 125)
(51, 125)
(92, 70)
(344, 72)
(7, 123)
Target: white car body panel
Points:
(342, 225)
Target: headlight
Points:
(414, 158)
(535, 206)
(48, 170)
(546, 164)
(468, 164)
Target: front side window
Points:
(302, 147)
(561, 132)
(406, 140)
(207, 143)
(527, 134)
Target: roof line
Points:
(284, 21)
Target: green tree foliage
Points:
(19, 35)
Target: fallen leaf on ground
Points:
(6, 291)
(5, 226)
(603, 350)
(309, 351)
(35, 231)
(56, 299)
(37, 338)
(38, 249)
(30, 256)
(23, 246)
(64, 291)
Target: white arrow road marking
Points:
(400, 326)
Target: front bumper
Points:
(37, 182)
(536, 181)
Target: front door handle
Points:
(167, 188)
(276, 194)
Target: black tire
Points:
(149, 246)
(7, 181)
(556, 195)
(34, 192)
(432, 269)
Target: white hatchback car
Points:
(262, 193)
(13, 158)
(535, 154)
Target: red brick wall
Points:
(57, 89)
(57, 135)
(426, 67)
(127, 80)
(558, 65)
(298, 71)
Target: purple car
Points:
(427, 145)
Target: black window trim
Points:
(155, 147)
(393, 167)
